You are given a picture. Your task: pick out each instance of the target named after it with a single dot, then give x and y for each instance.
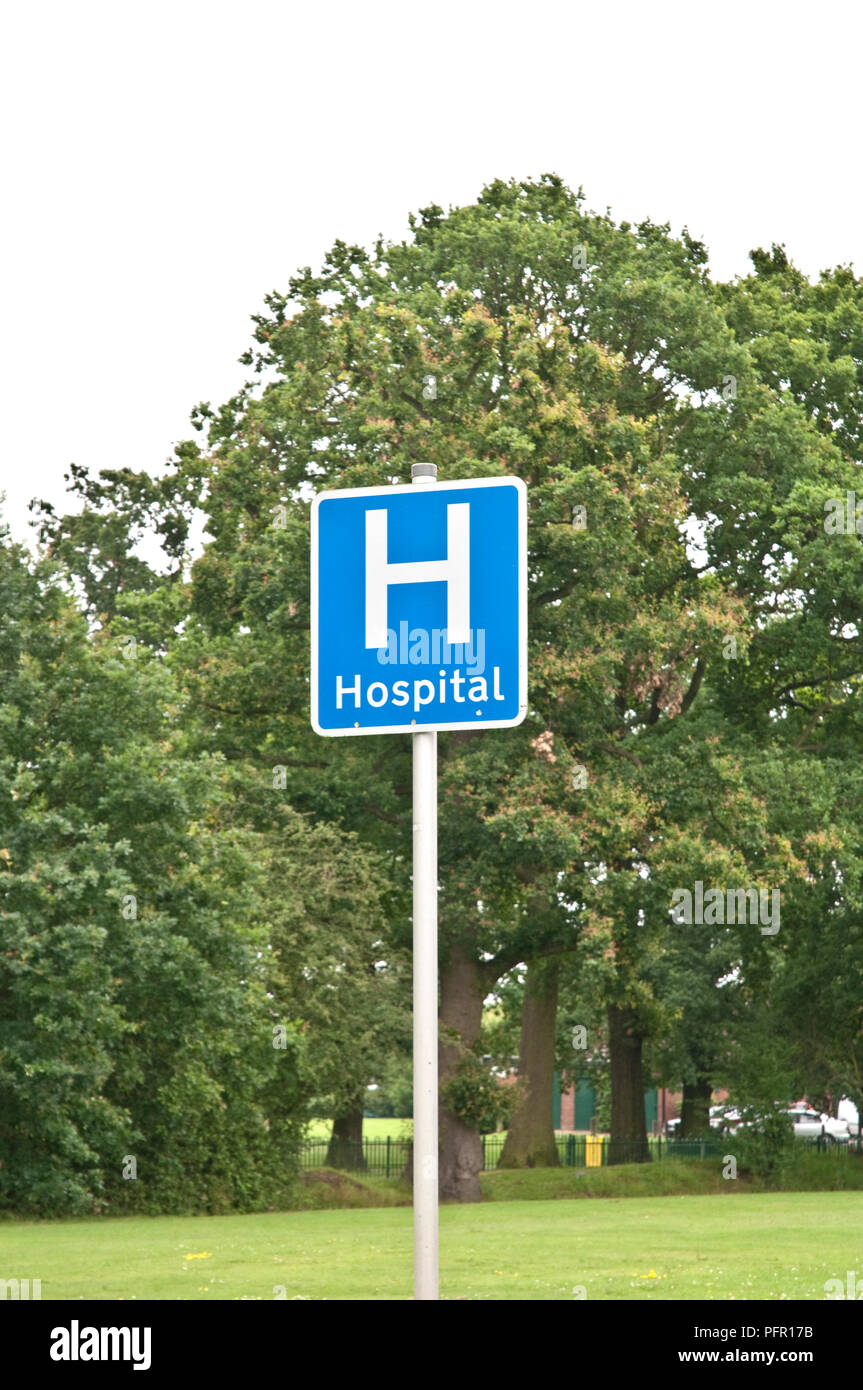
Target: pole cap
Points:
(423, 471)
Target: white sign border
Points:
(415, 727)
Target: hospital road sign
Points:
(419, 607)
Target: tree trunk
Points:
(345, 1149)
(695, 1109)
(463, 988)
(530, 1141)
(628, 1128)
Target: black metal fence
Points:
(388, 1158)
(377, 1158)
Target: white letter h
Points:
(455, 570)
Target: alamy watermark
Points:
(419, 646)
(20, 1289)
(718, 908)
(852, 1288)
(845, 517)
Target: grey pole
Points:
(425, 966)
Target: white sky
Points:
(165, 165)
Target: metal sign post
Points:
(425, 996)
(418, 624)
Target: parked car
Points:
(810, 1124)
(806, 1122)
(725, 1117)
(717, 1112)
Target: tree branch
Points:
(694, 686)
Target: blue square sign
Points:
(419, 607)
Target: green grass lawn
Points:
(398, 1129)
(741, 1246)
(381, 1128)
(372, 1129)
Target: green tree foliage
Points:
(693, 639)
(133, 1016)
